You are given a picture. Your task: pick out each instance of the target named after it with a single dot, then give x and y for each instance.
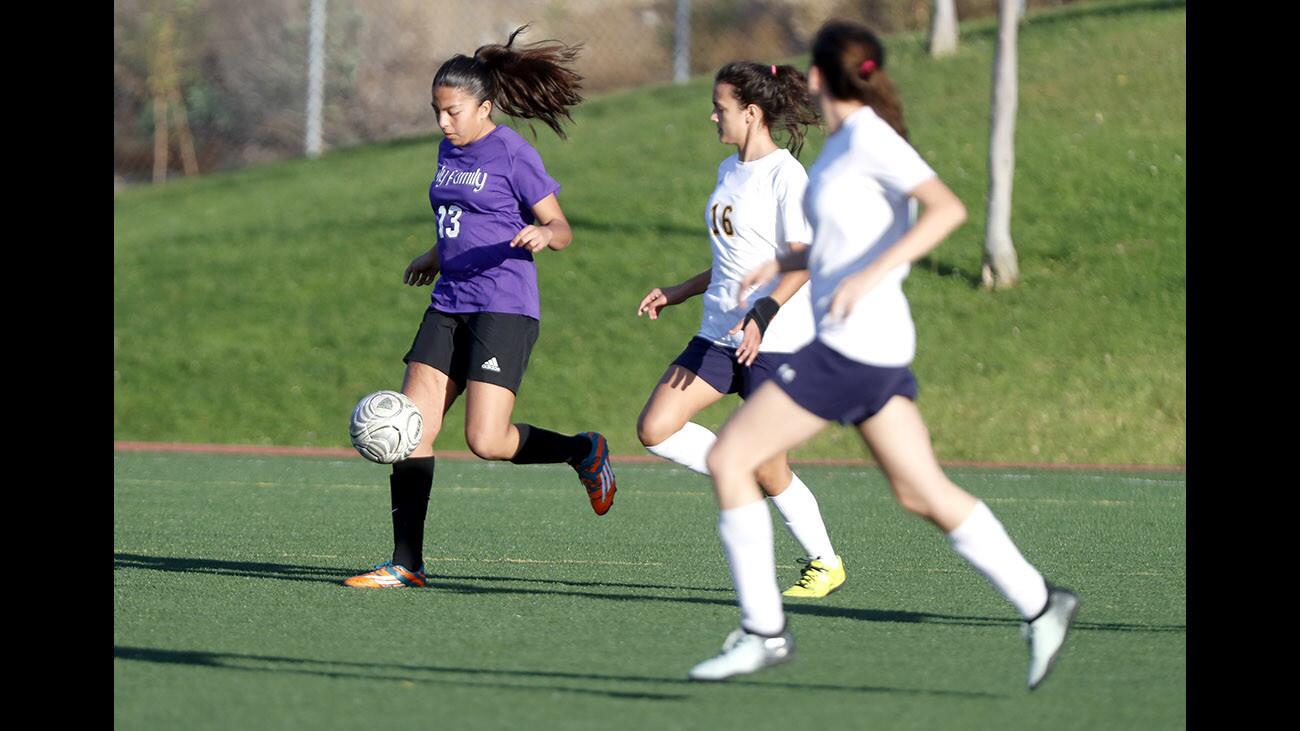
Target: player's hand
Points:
(652, 303)
(748, 350)
(421, 270)
(852, 289)
(759, 276)
(533, 238)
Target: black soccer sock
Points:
(541, 446)
(409, 486)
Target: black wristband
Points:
(761, 313)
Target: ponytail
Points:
(851, 60)
(780, 91)
(534, 81)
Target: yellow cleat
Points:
(817, 580)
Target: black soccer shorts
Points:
(491, 347)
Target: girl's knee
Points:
(430, 433)
(487, 444)
(649, 431)
(913, 503)
(653, 428)
(723, 460)
(773, 476)
(925, 499)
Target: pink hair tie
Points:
(867, 67)
(774, 69)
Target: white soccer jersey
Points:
(755, 211)
(857, 202)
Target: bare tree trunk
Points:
(943, 28)
(159, 139)
(1001, 268)
(164, 83)
(184, 140)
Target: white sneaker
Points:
(745, 653)
(1046, 633)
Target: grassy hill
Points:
(257, 306)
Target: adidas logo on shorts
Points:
(491, 365)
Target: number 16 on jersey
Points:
(726, 220)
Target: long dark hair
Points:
(851, 60)
(533, 81)
(780, 91)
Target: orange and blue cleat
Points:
(597, 475)
(388, 575)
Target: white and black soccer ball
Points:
(386, 427)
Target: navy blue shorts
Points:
(716, 365)
(841, 389)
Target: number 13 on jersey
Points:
(449, 221)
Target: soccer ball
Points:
(386, 427)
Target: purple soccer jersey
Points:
(483, 195)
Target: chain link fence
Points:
(205, 85)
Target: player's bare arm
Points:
(791, 261)
(789, 283)
(553, 232)
(423, 269)
(792, 279)
(661, 297)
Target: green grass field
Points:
(228, 612)
(257, 306)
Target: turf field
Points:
(257, 306)
(228, 612)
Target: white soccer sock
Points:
(983, 542)
(746, 534)
(687, 447)
(803, 517)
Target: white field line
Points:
(550, 562)
(641, 494)
(697, 494)
(582, 562)
(1105, 478)
(462, 559)
(1181, 482)
(375, 486)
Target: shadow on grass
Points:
(216, 567)
(815, 610)
(293, 169)
(650, 227)
(420, 225)
(327, 575)
(406, 672)
(477, 584)
(399, 673)
(945, 269)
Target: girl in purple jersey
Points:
(496, 207)
(857, 370)
(754, 213)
